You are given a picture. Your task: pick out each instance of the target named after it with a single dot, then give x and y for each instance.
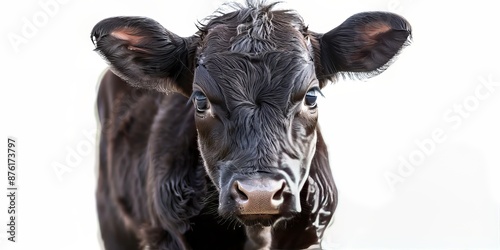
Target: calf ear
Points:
(144, 54)
(362, 46)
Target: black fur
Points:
(167, 169)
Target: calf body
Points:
(244, 166)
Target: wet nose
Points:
(258, 196)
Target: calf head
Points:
(254, 75)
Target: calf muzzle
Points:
(258, 196)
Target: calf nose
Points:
(258, 196)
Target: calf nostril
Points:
(278, 195)
(240, 191)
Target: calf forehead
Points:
(254, 54)
(254, 30)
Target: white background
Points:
(448, 198)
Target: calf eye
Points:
(311, 97)
(201, 102)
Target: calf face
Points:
(256, 117)
(254, 76)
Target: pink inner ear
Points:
(125, 34)
(373, 29)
